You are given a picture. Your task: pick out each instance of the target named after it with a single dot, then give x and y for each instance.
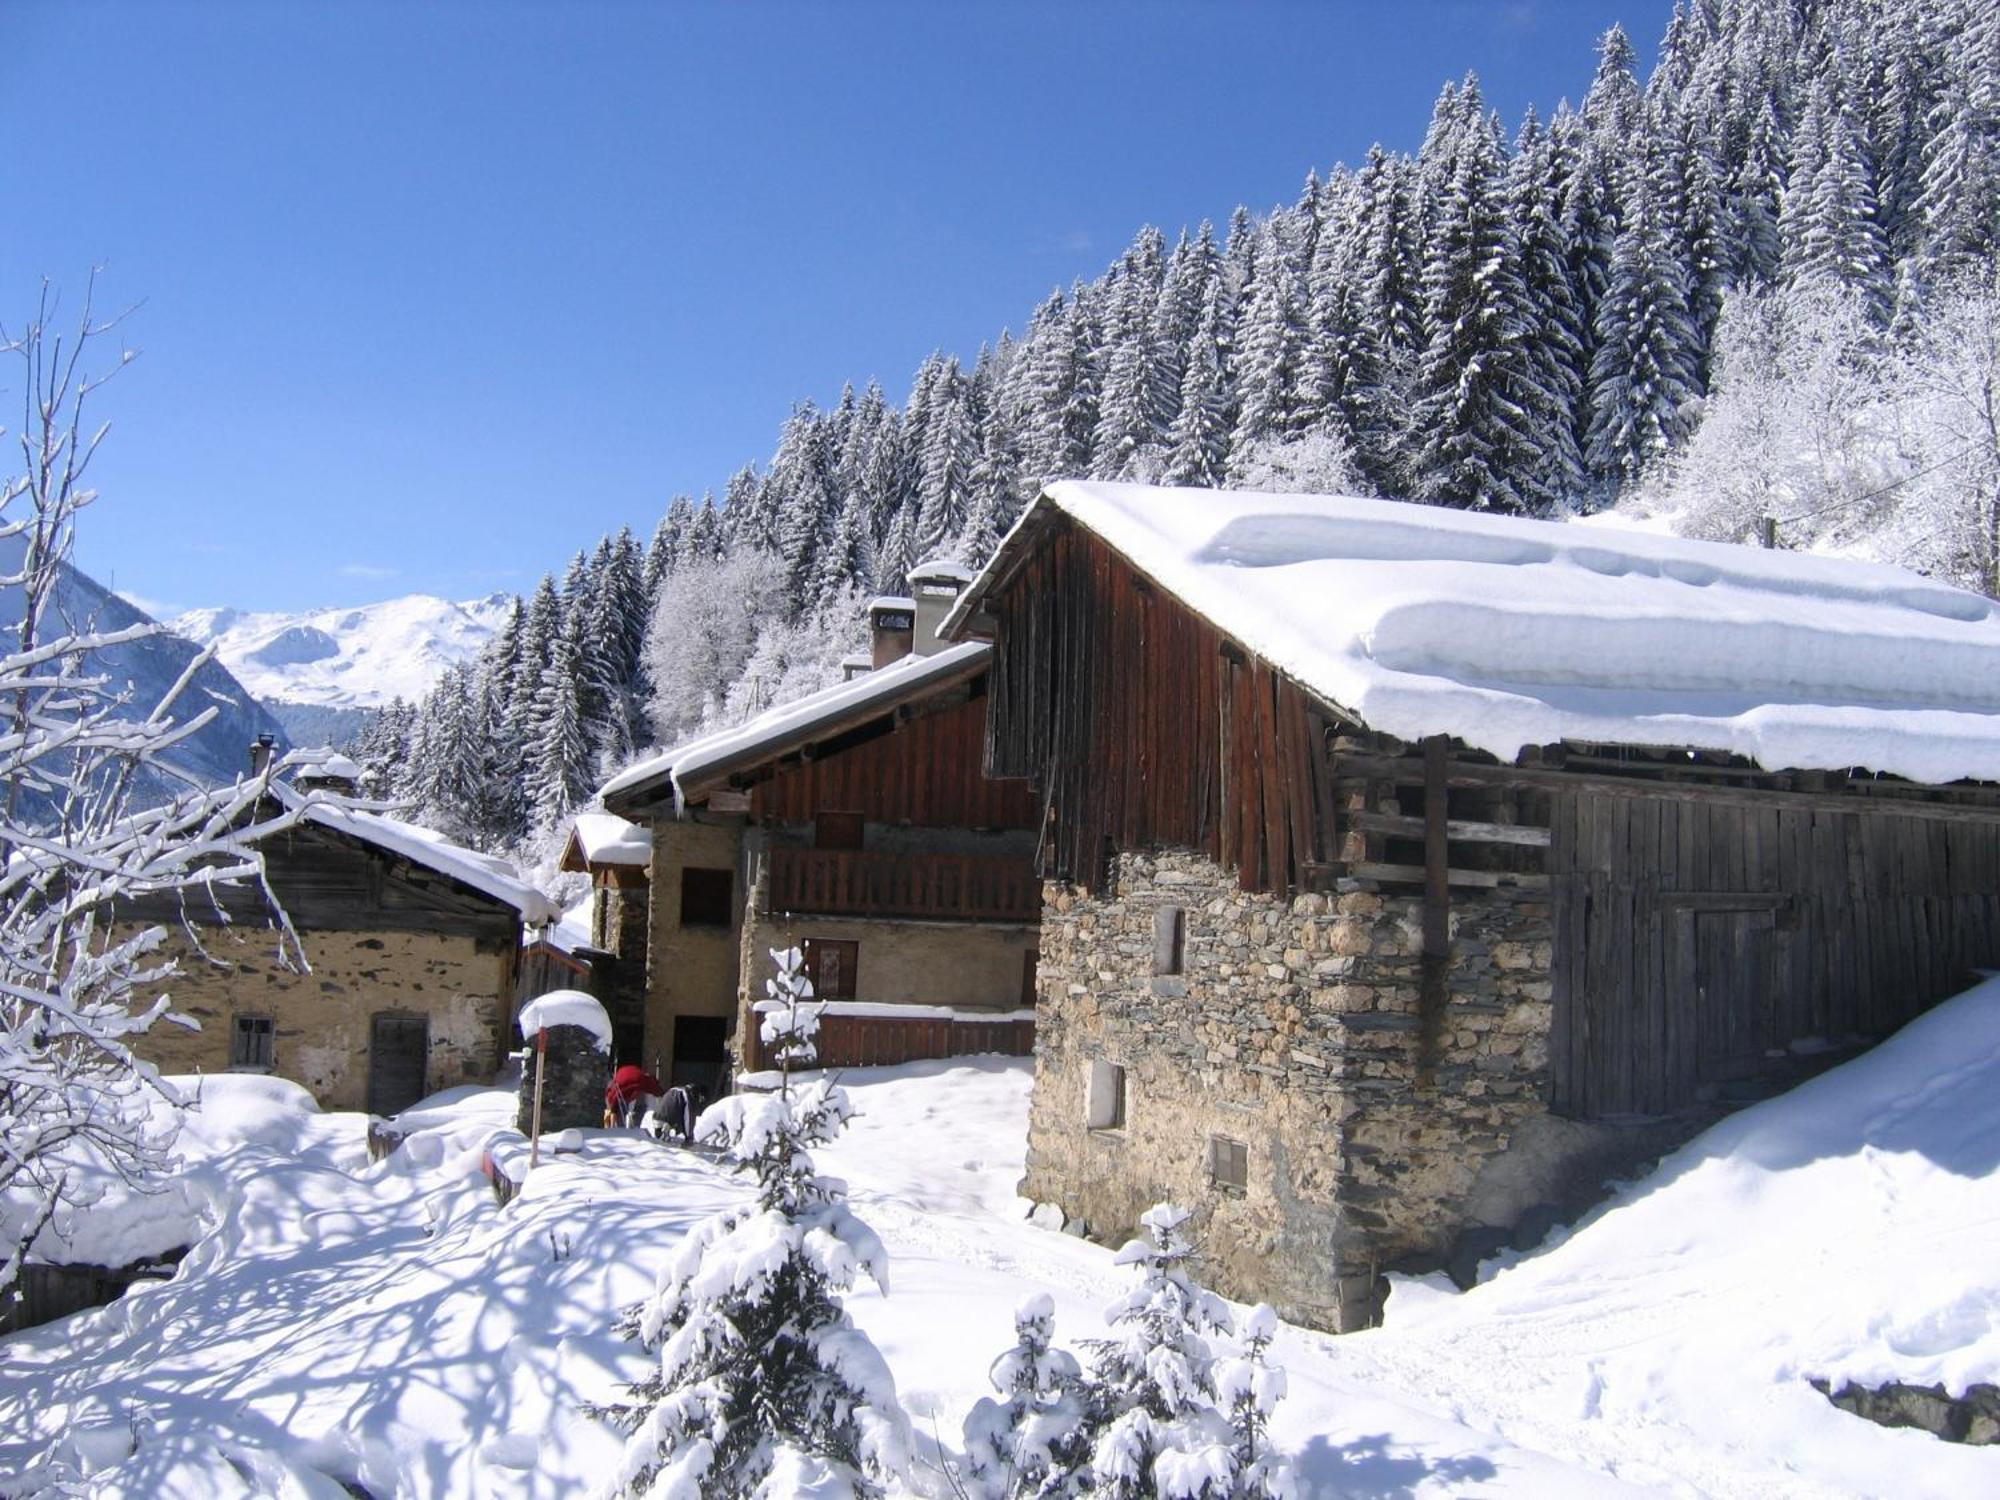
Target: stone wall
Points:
(690, 971)
(1376, 1130)
(323, 1018)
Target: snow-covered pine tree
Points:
(951, 450)
(1032, 1441)
(1643, 382)
(1828, 222)
(1471, 422)
(1249, 1388)
(1198, 446)
(1270, 365)
(1551, 466)
(765, 1386)
(561, 763)
(1959, 199)
(1154, 1429)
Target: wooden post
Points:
(1767, 532)
(535, 1128)
(1437, 910)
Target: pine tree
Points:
(1270, 365)
(1250, 1387)
(1152, 1418)
(1031, 1442)
(1551, 464)
(951, 451)
(764, 1384)
(1471, 418)
(1959, 200)
(561, 763)
(1198, 446)
(1643, 381)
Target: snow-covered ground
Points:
(347, 658)
(389, 1327)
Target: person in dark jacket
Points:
(631, 1093)
(677, 1112)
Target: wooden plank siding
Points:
(1697, 939)
(1146, 728)
(883, 1041)
(923, 770)
(904, 883)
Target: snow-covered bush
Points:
(79, 1113)
(765, 1387)
(1151, 1395)
(1031, 1442)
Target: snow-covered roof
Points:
(1506, 633)
(774, 732)
(328, 765)
(486, 873)
(602, 838)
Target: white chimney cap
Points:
(942, 569)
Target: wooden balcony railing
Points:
(952, 887)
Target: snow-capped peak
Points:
(358, 657)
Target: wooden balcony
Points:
(939, 887)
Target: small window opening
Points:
(1228, 1163)
(1169, 940)
(253, 1043)
(706, 896)
(1105, 1104)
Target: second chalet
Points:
(1412, 871)
(856, 825)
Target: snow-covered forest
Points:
(1757, 283)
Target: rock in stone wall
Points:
(1294, 1031)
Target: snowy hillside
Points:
(1665, 1348)
(347, 658)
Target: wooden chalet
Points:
(1413, 869)
(855, 824)
(412, 946)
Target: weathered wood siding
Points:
(1697, 937)
(925, 771)
(328, 882)
(883, 1041)
(1146, 727)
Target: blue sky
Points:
(433, 295)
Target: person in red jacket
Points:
(631, 1092)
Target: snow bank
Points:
(567, 1008)
(1844, 1230)
(1507, 633)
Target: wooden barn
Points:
(856, 825)
(1412, 869)
(413, 946)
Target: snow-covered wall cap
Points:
(943, 569)
(485, 873)
(892, 601)
(567, 1008)
(1506, 633)
(604, 838)
(777, 730)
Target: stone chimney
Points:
(260, 754)
(937, 585)
(892, 620)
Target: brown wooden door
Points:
(398, 1049)
(1734, 996)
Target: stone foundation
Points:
(1372, 1129)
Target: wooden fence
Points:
(852, 882)
(880, 1041)
(47, 1292)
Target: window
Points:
(830, 966)
(253, 1043)
(1105, 1104)
(837, 830)
(1228, 1163)
(1169, 940)
(706, 896)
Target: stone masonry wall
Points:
(1375, 1134)
(323, 1018)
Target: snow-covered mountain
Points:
(347, 658)
(149, 668)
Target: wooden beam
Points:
(1368, 869)
(1408, 771)
(1457, 830)
(1437, 911)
